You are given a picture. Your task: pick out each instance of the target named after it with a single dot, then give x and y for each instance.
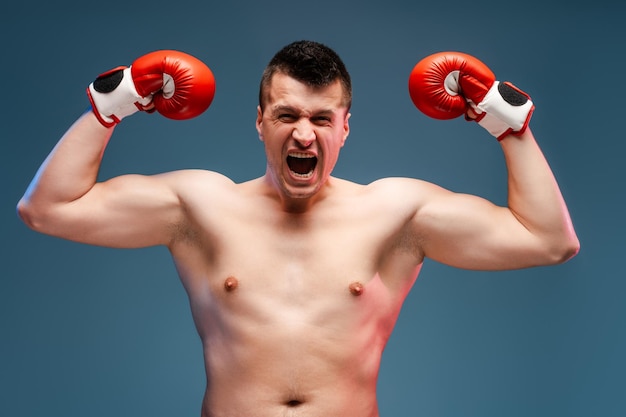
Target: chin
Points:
(301, 192)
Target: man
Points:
(296, 278)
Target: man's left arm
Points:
(467, 231)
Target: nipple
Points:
(356, 288)
(231, 284)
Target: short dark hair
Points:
(311, 63)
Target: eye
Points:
(321, 120)
(286, 117)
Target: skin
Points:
(295, 282)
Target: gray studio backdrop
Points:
(90, 331)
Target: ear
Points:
(259, 121)
(346, 128)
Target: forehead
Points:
(284, 90)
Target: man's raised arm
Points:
(64, 198)
(467, 231)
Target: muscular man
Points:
(296, 278)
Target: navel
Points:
(231, 284)
(356, 288)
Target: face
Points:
(303, 129)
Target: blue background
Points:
(90, 331)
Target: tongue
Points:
(301, 165)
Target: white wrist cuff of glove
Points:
(124, 100)
(504, 109)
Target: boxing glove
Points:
(175, 84)
(446, 84)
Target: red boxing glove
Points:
(177, 85)
(445, 84)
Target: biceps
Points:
(472, 233)
(127, 211)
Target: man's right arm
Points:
(65, 199)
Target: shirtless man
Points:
(296, 278)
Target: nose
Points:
(304, 133)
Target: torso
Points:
(294, 310)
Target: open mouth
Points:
(301, 164)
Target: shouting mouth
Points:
(301, 164)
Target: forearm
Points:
(535, 198)
(69, 171)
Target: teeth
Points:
(300, 155)
(308, 175)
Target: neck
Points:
(292, 203)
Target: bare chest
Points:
(302, 266)
(292, 263)
(251, 260)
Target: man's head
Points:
(302, 118)
(311, 63)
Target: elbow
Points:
(564, 250)
(28, 213)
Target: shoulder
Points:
(393, 195)
(409, 190)
(206, 199)
(191, 176)
(197, 189)
(195, 180)
(383, 185)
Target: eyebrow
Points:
(283, 108)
